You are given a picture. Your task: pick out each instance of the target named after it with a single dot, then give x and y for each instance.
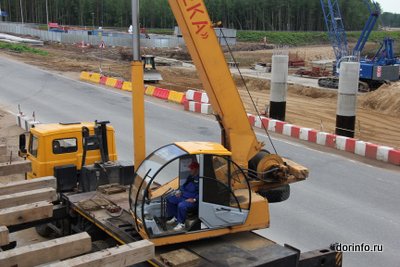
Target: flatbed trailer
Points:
(240, 249)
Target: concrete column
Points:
(277, 107)
(347, 98)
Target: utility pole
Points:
(22, 14)
(102, 13)
(47, 14)
(93, 20)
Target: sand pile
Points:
(312, 92)
(385, 100)
(252, 84)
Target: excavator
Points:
(238, 178)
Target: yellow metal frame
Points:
(207, 55)
(258, 218)
(195, 148)
(239, 138)
(139, 134)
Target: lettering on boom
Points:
(197, 18)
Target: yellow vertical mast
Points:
(139, 138)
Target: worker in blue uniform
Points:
(184, 199)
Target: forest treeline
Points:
(264, 15)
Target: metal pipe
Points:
(22, 14)
(136, 30)
(47, 14)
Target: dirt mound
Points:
(312, 92)
(252, 84)
(385, 100)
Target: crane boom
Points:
(368, 27)
(335, 27)
(207, 55)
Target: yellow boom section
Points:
(207, 55)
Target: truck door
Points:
(219, 204)
(32, 155)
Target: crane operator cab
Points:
(224, 197)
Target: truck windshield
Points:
(33, 145)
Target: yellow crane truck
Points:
(119, 204)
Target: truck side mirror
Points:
(22, 145)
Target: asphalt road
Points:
(343, 200)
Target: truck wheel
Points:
(276, 195)
(44, 230)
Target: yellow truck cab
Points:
(61, 144)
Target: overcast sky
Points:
(392, 6)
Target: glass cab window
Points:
(63, 146)
(33, 146)
(168, 172)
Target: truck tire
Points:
(44, 230)
(276, 195)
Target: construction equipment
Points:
(320, 68)
(238, 178)
(234, 175)
(373, 71)
(151, 74)
(54, 145)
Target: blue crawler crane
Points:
(374, 71)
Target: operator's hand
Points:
(191, 200)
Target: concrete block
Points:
(15, 168)
(321, 138)
(383, 153)
(360, 148)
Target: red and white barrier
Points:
(308, 134)
(361, 147)
(352, 145)
(394, 157)
(197, 107)
(291, 130)
(197, 96)
(383, 153)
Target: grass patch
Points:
(21, 48)
(283, 38)
(160, 31)
(307, 38)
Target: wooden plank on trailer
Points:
(21, 198)
(48, 251)
(180, 258)
(4, 238)
(15, 167)
(27, 185)
(26, 213)
(121, 256)
(4, 158)
(3, 150)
